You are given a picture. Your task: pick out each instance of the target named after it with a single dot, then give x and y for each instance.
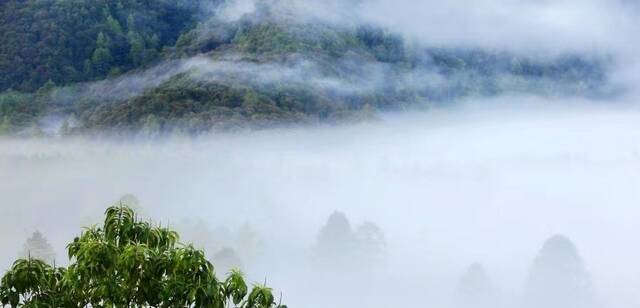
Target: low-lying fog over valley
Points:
(424, 196)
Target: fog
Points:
(486, 182)
(537, 29)
(517, 25)
(524, 25)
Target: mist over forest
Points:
(343, 153)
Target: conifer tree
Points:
(37, 247)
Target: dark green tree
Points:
(101, 57)
(112, 23)
(136, 52)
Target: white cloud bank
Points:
(448, 188)
(520, 25)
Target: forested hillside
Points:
(72, 41)
(171, 68)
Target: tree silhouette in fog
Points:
(371, 243)
(474, 289)
(335, 243)
(37, 247)
(227, 259)
(220, 243)
(558, 277)
(339, 246)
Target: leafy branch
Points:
(129, 263)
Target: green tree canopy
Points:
(129, 263)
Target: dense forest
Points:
(158, 66)
(72, 41)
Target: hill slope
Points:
(170, 70)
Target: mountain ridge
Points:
(262, 70)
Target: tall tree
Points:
(136, 52)
(474, 289)
(558, 277)
(335, 243)
(371, 243)
(112, 23)
(101, 57)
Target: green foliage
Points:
(126, 263)
(270, 38)
(136, 52)
(52, 40)
(33, 283)
(19, 110)
(199, 106)
(101, 59)
(112, 24)
(260, 297)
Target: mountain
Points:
(157, 66)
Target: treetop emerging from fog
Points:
(127, 262)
